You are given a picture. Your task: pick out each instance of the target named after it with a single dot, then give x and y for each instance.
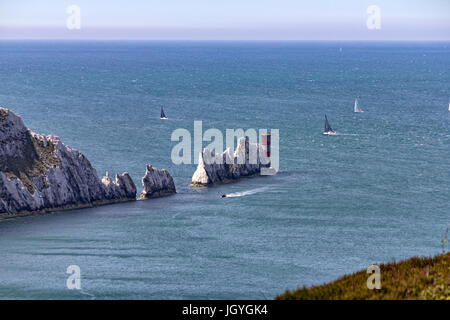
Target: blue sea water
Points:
(377, 191)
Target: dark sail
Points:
(327, 125)
(163, 115)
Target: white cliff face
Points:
(247, 160)
(156, 183)
(39, 173)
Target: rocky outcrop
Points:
(122, 187)
(156, 183)
(40, 173)
(247, 160)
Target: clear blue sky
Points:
(227, 19)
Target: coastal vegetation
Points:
(3, 114)
(417, 278)
(38, 157)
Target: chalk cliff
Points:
(40, 173)
(246, 161)
(156, 183)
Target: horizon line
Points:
(226, 40)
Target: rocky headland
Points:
(40, 174)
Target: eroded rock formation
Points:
(156, 183)
(247, 160)
(122, 187)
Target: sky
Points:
(226, 19)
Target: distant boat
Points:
(449, 106)
(357, 107)
(328, 129)
(163, 115)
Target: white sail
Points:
(449, 106)
(357, 108)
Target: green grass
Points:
(415, 278)
(36, 160)
(3, 114)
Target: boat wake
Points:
(347, 134)
(246, 193)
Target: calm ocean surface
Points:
(377, 191)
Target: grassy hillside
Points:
(415, 278)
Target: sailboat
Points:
(328, 129)
(163, 115)
(449, 106)
(357, 107)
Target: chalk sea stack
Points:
(156, 183)
(247, 160)
(40, 173)
(122, 187)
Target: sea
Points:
(377, 191)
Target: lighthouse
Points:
(265, 143)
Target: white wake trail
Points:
(246, 193)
